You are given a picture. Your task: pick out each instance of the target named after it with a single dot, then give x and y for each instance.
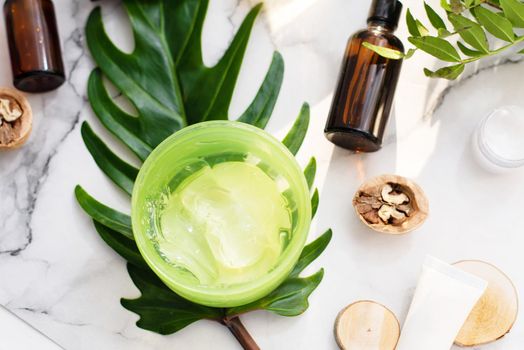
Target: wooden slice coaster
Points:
(495, 313)
(367, 325)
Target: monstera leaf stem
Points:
(240, 332)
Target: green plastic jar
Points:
(175, 156)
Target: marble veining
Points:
(58, 275)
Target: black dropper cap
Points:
(387, 11)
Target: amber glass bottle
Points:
(34, 45)
(367, 82)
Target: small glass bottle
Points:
(34, 45)
(367, 82)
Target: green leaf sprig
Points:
(473, 21)
(165, 79)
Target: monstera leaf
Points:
(165, 80)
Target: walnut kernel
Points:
(391, 204)
(15, 118)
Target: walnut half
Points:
(391, 204)
(16, 118)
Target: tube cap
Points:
(385, 10)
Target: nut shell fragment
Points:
(495, 313)
(391, 204)
(366, 325)
(16, 118)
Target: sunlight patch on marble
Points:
(280, 13)
(412, 162)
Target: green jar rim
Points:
(238, 294)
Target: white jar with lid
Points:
(498, 142)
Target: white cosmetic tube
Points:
(444, 297)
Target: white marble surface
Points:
(58, 275)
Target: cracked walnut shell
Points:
(391, 204)
(16, 118)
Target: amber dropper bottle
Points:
(367, 82)
(34, 45)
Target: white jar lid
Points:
(500, 137)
